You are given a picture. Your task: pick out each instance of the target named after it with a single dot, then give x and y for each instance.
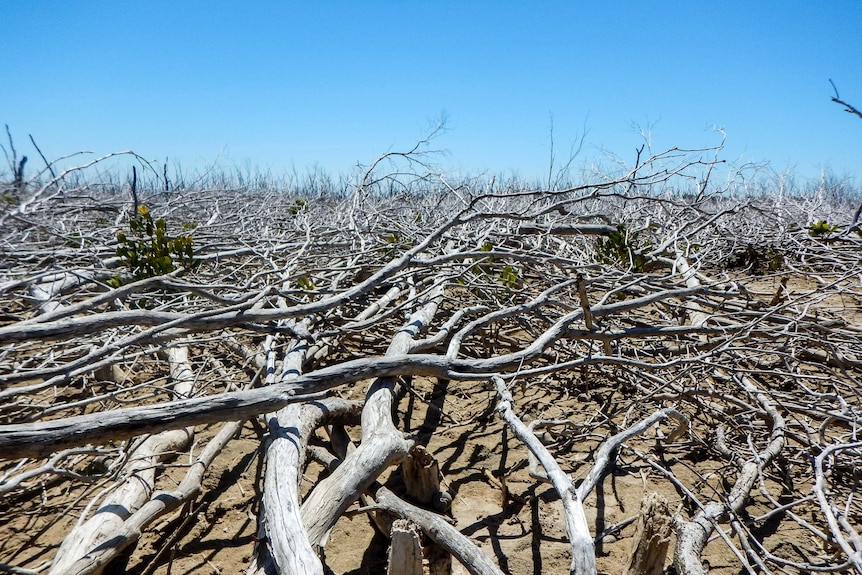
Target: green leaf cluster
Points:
(821, 228)
(147, 250)
(395, 244)
(305, 283)
(622, 248)
(297, 208)
(507, 275)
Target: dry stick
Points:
(160, 503)
(280, 526)
(464, 550)
(583, 550)
(134, 491)
(610, 447)
(847, 107)
(562, 230)
(9, 484)
(589, 322)
(382, 443)
(585, 302)
(288, 548)
(34, 439)
(692, 535)
(381, 303)
(7, 568)
(697, 314)
(854, 551)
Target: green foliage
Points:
(297, 208)
(395, 244)
(775, 261)
(758, 259)
(305, 283)
(622, 248)
(148, 251)
(821, 228)
(9, 199)
(507, 275)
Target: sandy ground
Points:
(524, 532)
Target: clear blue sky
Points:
(277, 85)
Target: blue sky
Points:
(283, 85)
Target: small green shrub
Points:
(148, 251)
(297, 208)
(622, 248)
(758, 259)
(507, 275)
(820, 229)
(395, 244)
(305, 283)
(775, 261)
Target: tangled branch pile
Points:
(707, 345)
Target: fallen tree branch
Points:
(583, 550)
(476, 562)
(692, 535)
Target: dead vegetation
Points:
(300, 362)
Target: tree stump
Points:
(652, 537)
(405, 551)
(422, 480)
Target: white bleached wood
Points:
(580, 540)
(134, 491)
(464, 550)
(692, 535)
(382, 444)
(405, 550)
